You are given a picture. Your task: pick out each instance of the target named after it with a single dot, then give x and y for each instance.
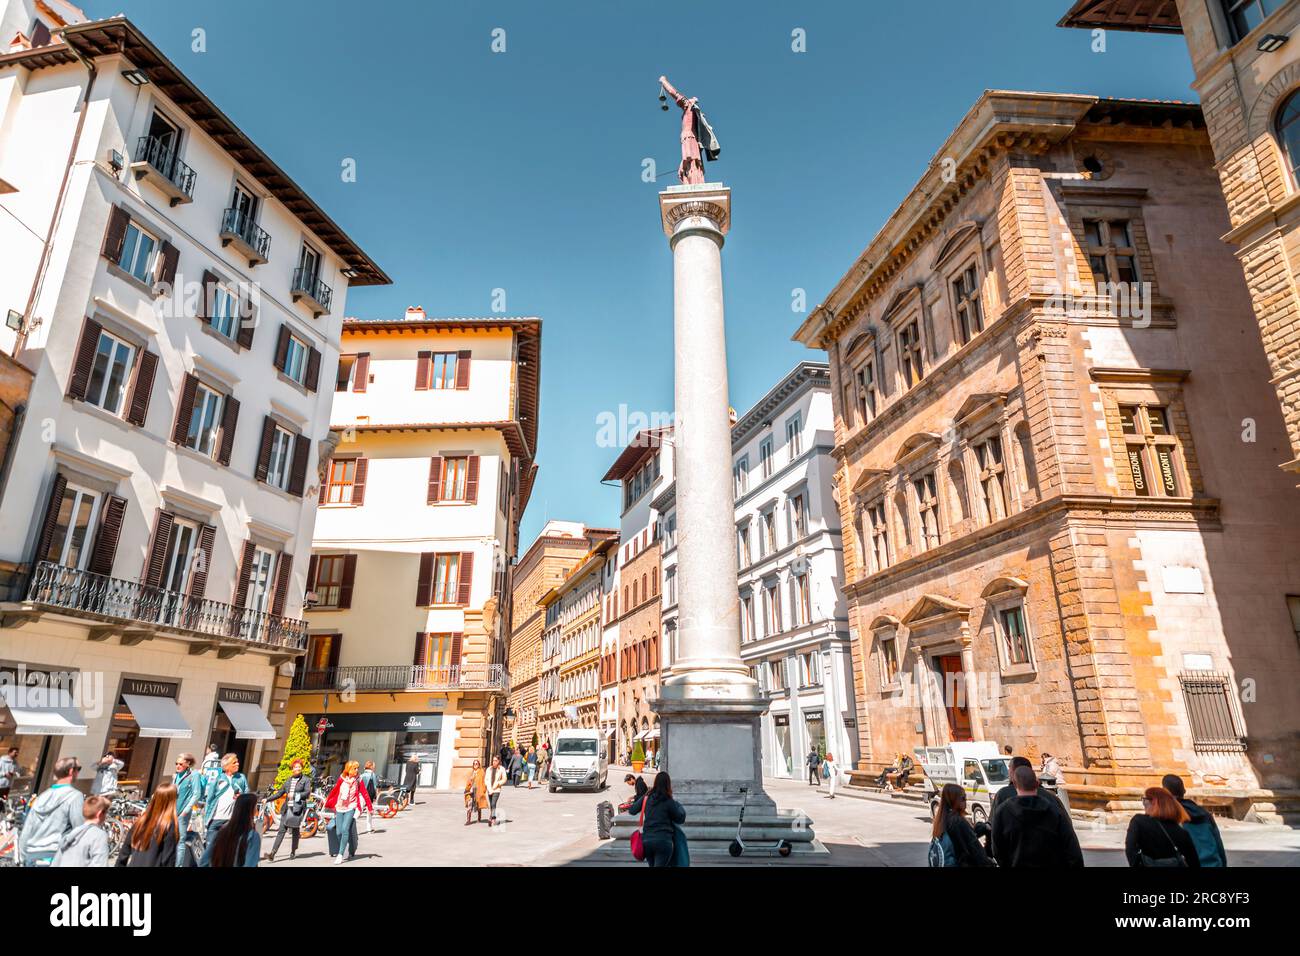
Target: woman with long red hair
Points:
(156, 834)
(1156, 836)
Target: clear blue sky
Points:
(522, 170)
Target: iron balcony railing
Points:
(403, 677)
(113, 599)
(238, 223)
(162, 157)
(306, 282)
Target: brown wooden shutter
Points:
(421, 649)
(168, 259)
(283, 566)
(457, 639)
(324, 485)
(137, 402)
(465, 578)
(462, 369)
(110, 530)
(422, 368)
(247, 322)
(349, 579)
(245, 571)
(185, 411)
(199, 580)
(57, 488)
(471, 481)
(40, 35)
(229, 419)
(85, 360)
(361, 372)
(435, 480)
(424, 585)
(115, 234)
(298, 474)
(209, 296)
(263, 468)
(162, 535)
(282, 348)
(312, 564)
(336, 645)
(359, 482)
(313, 370)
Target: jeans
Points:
(279, 838)
(492, 803)
(814, 776)
(345, 823)
(658, 850)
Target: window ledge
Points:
(225, 340)
(82, 405)
(197, 455)
(292, 382)
(1020, 670)
(146, 288)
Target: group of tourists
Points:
(823, 769)
(525, 764)
(1029, 826)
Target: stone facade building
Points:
(1059, 533)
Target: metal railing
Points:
(306, 282)
(100, 596)
(403, 677)
(238, 223)
(162, 157)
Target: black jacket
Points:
(660, 815)
(410, 775)
(1035, 831)
(965, 844)
(298, 789)
(1158, 839)
(159, 853)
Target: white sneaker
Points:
(338, 859)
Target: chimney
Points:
(415, 313)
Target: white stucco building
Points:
(179, 300)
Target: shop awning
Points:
(157, 716)
(42, 710)
(250, 723)
(653, 735)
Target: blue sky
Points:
(522, 170)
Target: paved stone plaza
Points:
(545, 829)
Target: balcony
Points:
(158, 163)
(398, 677)
(136, 613)
(248, 238)
(308, 288)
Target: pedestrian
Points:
(543, 763)
(371, 781)
(505, 755)
(953, 840)
(237, 843)
(87, 845)
(411, 777)
(814, 762)
(106, 772)
(830, 772)
(156, 834)
(219, 798)
(8, 771)
(1008, 792)
(516, 767)
(52, 815)
(1007, 750)
(661, 819)
(1156, 836)
(476, 798)
(531, 763)
(295, 790)
(1200, 825)
(348, 796)
(1031, 830)
(189, 791)
(639, 790)
(211, 767)
(493, 780)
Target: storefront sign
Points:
(405, 723)
(781, 720)
(812, 715)
(149, 688)
(239, 695)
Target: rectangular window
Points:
(454, 471)
(866, 383)
(1151, 450)
(910, 361)
(747, 616)
(794, 436)
(1245, 15)
(342, 476)
(878, 535)
(771, 609)
(966, 298)
(776, 676)
(442, 370)
(110, 374)
(437, 656)
(1111, 253)
(740, 476)
(1212, 713)
(1015, 640)
(277, 473)
(765, 456)
(260, 581)
(446, 578)
(308, 267)
(139, 252)
(329, 579)
(767, 528)
(180, 555)
(74, 528)
(295, 359)
(224, 311)
(742, 546)
(992, 478)
(205, 421)
(927, 505)
(810, 669)
(802, 600)
(798, 517)
(887, 641)
(343, 377)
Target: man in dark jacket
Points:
(411, 776)
(1200, 825)
(814, 765)
(1032, 830)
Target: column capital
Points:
(706, 206)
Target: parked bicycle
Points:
(122, 814)
(391, 799)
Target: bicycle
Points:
(390, 800)
(122, 814)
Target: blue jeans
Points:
(658, 850)
(345, 824)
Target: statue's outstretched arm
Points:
(672, 91)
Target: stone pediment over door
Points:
(935, 619)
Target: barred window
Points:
(1212, 713)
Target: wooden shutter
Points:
(465, 578)
(57, 488)
(312, 564)
(456, 641)
(471, 481)
(40, 35)
(199, 580)
(168, 259)
(422, 368)
(462, 369)
(298, 474)
(283, 565)
(162, 535)
(115, 234)
(313, 370)
(185, 410)
(435, 480)
(349, 578)
(137, 402)
(247, 322)
(245, 570)
(421, 649)
(85, 360)
(359, 482)
(424, 585)
(361, 372)
(324, 484)
(282, 348)
(209, 296)
(263, 468)
(229, 419)
(110, 530)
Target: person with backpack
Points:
(830, 772)
(87, 845)
(1156, 836)
(1200, 825)
(953, 841)
(52, 815)
(1031, 830)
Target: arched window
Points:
(625, 603)
(654, 580)
(1288, 131)
(645, 591)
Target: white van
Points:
(976, 766)
(579, 762)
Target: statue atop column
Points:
(698, 140)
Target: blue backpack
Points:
(940, 853)
(1207, 847)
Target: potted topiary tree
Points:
(297, 746)
(638, 757)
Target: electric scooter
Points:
(739, 846)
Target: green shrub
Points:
(297, 746)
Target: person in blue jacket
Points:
(220, 794)
(189, 790)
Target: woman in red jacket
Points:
(348, 796)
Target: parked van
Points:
(579, 762)
(977, 766)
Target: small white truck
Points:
(977, 766)
(579, 762)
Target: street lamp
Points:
(1271, 42)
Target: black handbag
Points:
(1146, 859)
